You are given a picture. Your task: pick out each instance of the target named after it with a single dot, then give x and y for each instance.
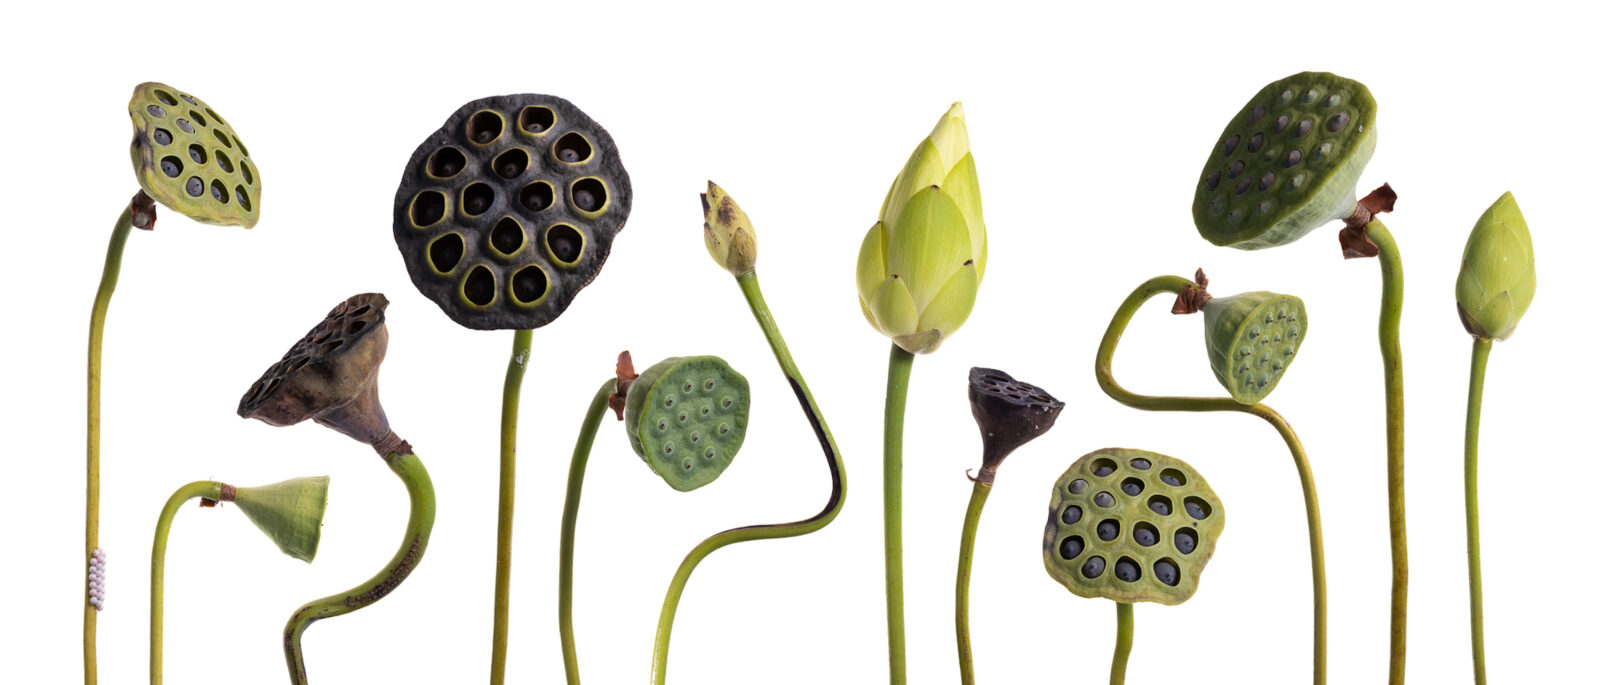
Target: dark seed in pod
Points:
(1144, 536)
(194, 187)
(1291, 159)
(1257, 113)
(1167, 572)
(1171, 479)
(162, 136)
(1103, 470)
(1303, 128)
(1077, 486)
(1235, 169)
(1338, 121)
(1132, 486)
(156, 111)
(185, 125)
(1255, 142)
(585, 200)
(1108, 530)
(171, 167)
(1194, 509)
(1228, 146)
(1160, 506)
(198, 154)
(1072, 514)
(1094, 567)
(1214, 180)
(569, 155)
(1104, 499)
(1281, 123)
(1140, 463)
(1243, 186)
(1184, 541)
(484, 137)
(216, 192)
(1072, 547)
(1267, 179)
(1127, 571)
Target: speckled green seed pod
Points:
(1251, 339)
(686, 418)
(509, 209)
(1131, 526)
(1287, 163)
(189, 159)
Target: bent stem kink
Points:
(1108, 347)
(969, 539)
(521, 347)
(1480, 364)
(569, 522)
(208, 489)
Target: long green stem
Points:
(1480, 365)
(418, 526)
(158, 563)
(830, 453)
(1119, 659)
(521, 347)
(969, 541)
(1302, 464)
(894, 428)
(1395, 433)
(97, 329)
(569, 521)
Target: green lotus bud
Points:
(686, 418)
(920, 266)
(189, 158)
(289, 512)
(1287, 163)
(1251, 338)
(730, 238)
(1131, 526)
(1497, 281)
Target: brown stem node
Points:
(1353, 237)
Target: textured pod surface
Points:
(333, 367)
(1009, 412)
(686, 417)
(1131, 526)
(509, 209)
(289, 512)
(1287, 163)
(1251, 339)
(188, 158)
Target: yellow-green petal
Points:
(951, 307)
(950, 135)
(962, 184)
(928, 244)
(1497, 280)
(893, 308)
(870, 266)
(922, 170)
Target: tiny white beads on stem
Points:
(97, 579)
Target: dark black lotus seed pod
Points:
(534, 165)
(1009, 412)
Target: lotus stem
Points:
(521, 347)
(569, 522)
(1480, 364)
(1119, 659)
(1395, 434)
(209, 489)
(894, 426)
(969, 541)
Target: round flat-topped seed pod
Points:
(1287, 163)
(330, 374)
(188, 158)
(1146, 538)
(686, 418)
(1251, 339)
(509, 209)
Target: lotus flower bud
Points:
(1251, 338)
(920, 266)
(189, 158)
(730, 238)
(1497, 281)
(1010, 414)
(686, 418)
(289, 512)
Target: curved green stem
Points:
(1480, 365)
(569, 521)
(521, 346)
(158, 563)
(969, 541)
(1395, 433)
(1119, 659)
(418, 526)
(91, 527)
(1302, 463)
(830, 452)
(894, 428)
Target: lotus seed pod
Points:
(330, 375)
(1131, 526)
(509, 209)
(1497, 280)
(188, 157)
(730, 237)
(1251, 339)
(919, 268)
(289, 512)
(1287, 163)
(1010, 413)
(686, 418)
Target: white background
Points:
(1089, 126)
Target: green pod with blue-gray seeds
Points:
(1251, 338)
(289, 512)
(686, 418)
(1287, 163)
(187, 157)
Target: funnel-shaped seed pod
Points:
(1251, 339)
(289, 512)
(189, 158)
(686, 418)
(1497, 279)
(1010, 413)
(509, 209)
(1131, 526)
(1287, 163)
(330, 375)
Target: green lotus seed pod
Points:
(1251, 339)
(188, 157)
(1497, 280)
(289, 512)
(686, 418)
(1287, 163)
(1131, 526)
(509, 209)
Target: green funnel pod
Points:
(189, 158)
(1131, 526)
(1251, 339)
(1287, 163)
(686, 418)
(289, 512)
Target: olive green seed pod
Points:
(1131, 526)
(289, 512)
(1251, 339)
(1287, 163)
(1497, 278)
(686, 418)
(188, 157)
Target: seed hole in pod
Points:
(363, 309)
(427, 208)
(219, 192)
(1095, 566)
(194, 186)
(695, 437)
(297, 364)
(1108, 530)
(710, 454)
(1255, 142)
(661, 425)
(572, 148)
(330, 347)
(565, 243)
(1198, 509)
(1322, 152)
(216, 116)
(1140, 463)
(589, 194)
(1229, 145)
(688, 464)
(1071, 547)
(161, 136)
(711, 384)
(1128, 570)
(242, 197)
(354, 327)
(188, 98)
(705, 410)
(477, 198)
(166, 98)
(1072, 514)
(536, 119)
(1160, 505)
(1167, 572)
(1132, 486)
(511, 163)
(156, 111)
(446, 162)
(1185, 540)
(198, 117)
(1310, 96)
(224, 162)
(1145, 534)
(1236, 168)
(479, 286)
(1214, 179)
(484, 127)
(1266, 180)
(171, 166)
(1296, 181)
(1281, 123)
(727, 403)
(668, 447)
(723, 429)
(529, 284)
(1103, 467)
(1104, 499)
(246, 172)
(197, 153)
(669, 400)
(1256, 113)
(506, 236)
(1338, 121)
(240, 144)
(536, 196)
(1285, 97)
(1217, 205)
(1077, 486)
(1174, 477)
(683, 416)
(185, 125)
(1303, 128)
(222, 138)
(1244, 185)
